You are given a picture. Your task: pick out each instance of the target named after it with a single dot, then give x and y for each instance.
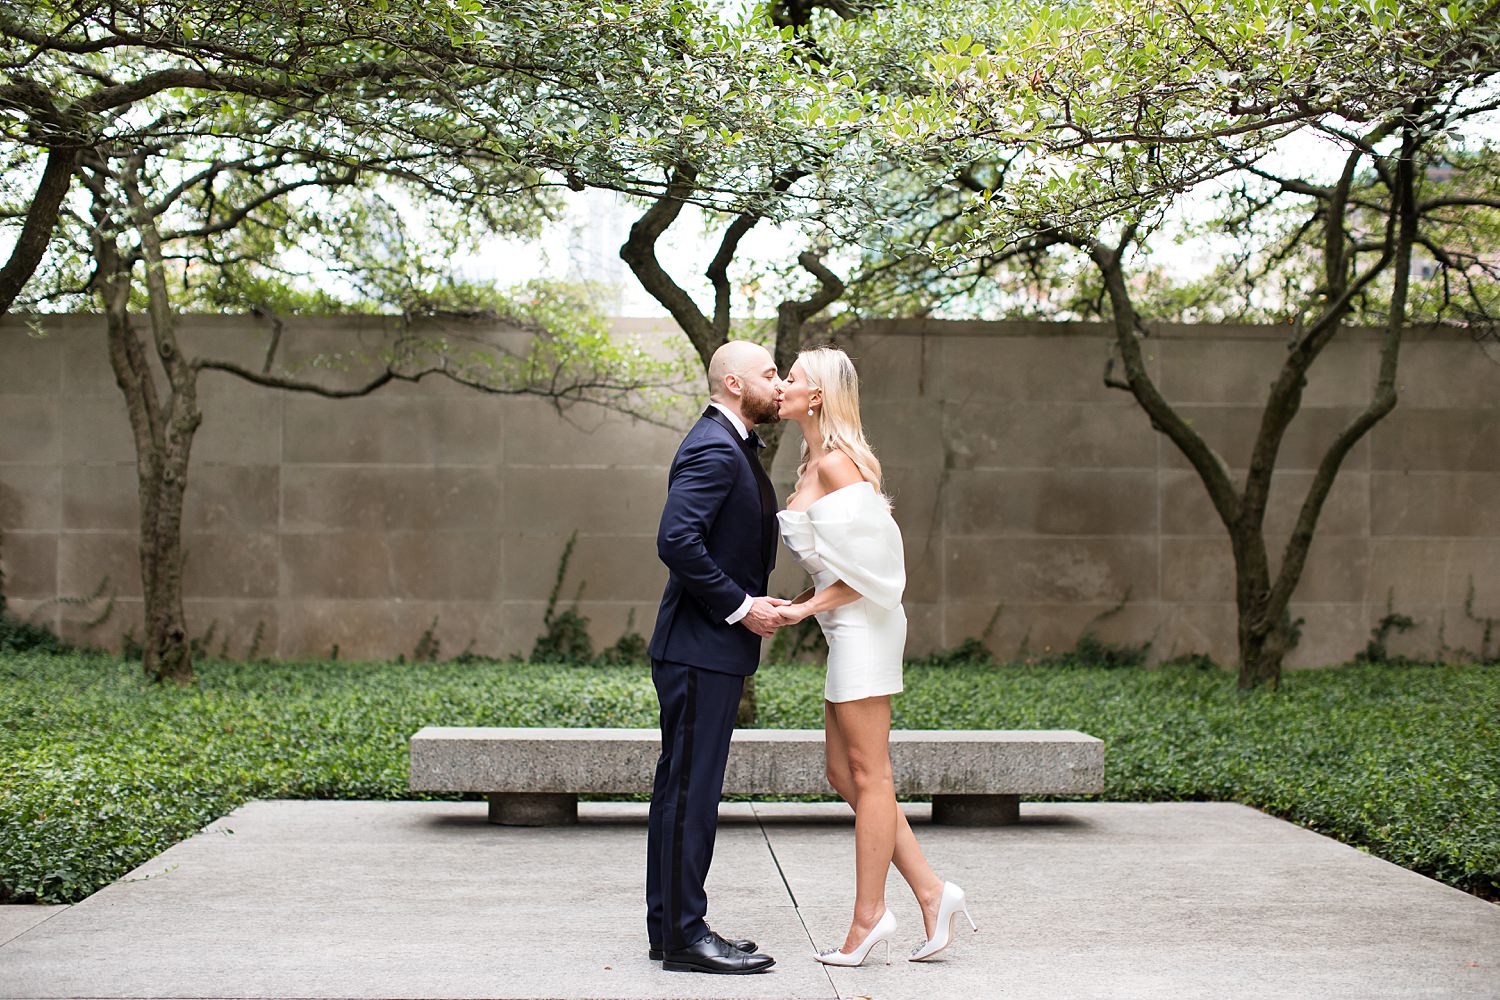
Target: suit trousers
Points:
(698, 710)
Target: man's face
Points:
(760, 399)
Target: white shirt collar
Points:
(739, 424)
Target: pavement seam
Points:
(34, 926)
(790, 895)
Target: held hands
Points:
(764, 618)
(791, 614)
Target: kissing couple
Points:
(718, 537)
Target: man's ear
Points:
(733, 385)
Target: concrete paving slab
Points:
(18, 918)
(1079, 900)
(358, 899)
(415, 899)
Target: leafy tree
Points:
(71, 72)
(1102, 117)
(768, 168)
(470, 100)
(779, 170)
(196, 133)
(197, 130)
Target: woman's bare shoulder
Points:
(837, 470)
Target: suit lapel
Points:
(717, 416)
(767, 506)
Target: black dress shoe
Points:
(739, 944)
(715, 955)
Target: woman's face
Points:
(795, 394)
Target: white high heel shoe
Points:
(884, 930)
(950, 906)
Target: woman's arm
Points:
(835, 595)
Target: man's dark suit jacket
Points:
(718, 539)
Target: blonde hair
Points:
(829, 369)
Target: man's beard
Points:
(760, 410)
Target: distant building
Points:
(597, 224)
(1423, 265)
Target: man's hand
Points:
(762, 618)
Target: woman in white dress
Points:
(838, 526)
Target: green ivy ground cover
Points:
(100, 771)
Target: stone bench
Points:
(533, 776)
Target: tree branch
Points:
(107, 98)
(718, 271)
(239, 215)
(639, 251)
(831, 286)
(41, 219)
(1210, 467)
(718, 268)
(270, 381)
(1458, 201)
(1406, 214)
(556, 388)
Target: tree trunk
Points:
(167, 651)
(1262, 632)
(1259, 622)
(41, 220)
(163, 440)
(791, 322)
(1265, 630)
(1261, 653)
(744, 715)
(162, 422)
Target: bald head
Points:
(742, 377)
(740, 358)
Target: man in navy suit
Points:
(718, 539)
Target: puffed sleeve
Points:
(857, 538)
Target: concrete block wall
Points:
(1019, 480)
(1056, 498)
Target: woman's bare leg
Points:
(865, 725)
(906, 855)
(863, 729)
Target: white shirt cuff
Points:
(744, 609)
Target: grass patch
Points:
(100, 770)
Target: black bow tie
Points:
(754, 442)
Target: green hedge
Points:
(100, 770)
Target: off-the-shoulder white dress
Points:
(850, 535)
